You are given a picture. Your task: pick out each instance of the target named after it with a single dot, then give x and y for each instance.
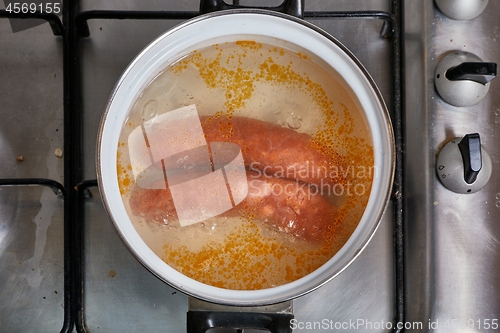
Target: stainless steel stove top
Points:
(452, 240)
(452, 255)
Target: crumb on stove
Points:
(20, 158)
(58, 152)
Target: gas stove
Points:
(452, 250)
(433, 264)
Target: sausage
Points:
(285, 170)
(285, 205)
(289, 206)
(275, 150)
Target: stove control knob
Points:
(462, 10)
(463, 166)
(462, 78)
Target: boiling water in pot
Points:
(305, 152)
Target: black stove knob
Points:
(463, 166)
(463, 79)
(462, 10)
(470, 148)
(480, 72)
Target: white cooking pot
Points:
(232, 25)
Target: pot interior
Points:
(241, 165)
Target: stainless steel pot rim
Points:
(272, 25)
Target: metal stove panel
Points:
(452, 240)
